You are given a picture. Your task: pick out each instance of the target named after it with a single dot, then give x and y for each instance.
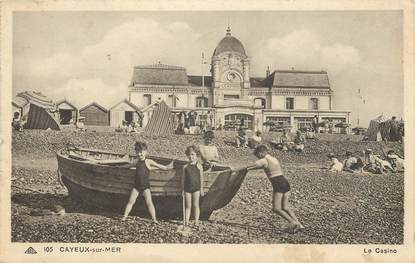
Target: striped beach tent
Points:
(376, 126)
(161, 122)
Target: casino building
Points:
(230, 94)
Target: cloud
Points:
(97, 69)
(303, 49)
(81, 92)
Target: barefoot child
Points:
(142, 182)
(280, 185)
(193, 184)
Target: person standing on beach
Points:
(192, 184)
(315, 123)
(142, 181)
(280, 185)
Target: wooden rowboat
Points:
(105, 179)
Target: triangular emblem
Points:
(30, 250)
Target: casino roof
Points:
(295, 78)
(159, 74)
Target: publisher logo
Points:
(30, 250)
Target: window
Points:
(201, 102)
(231, 97)
(314, 103)
(172, 100)
(260, 102)
(279, 120)
(289, 103)
(303, 123)
(147, 99)
(233, 121)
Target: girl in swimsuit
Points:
(192, 184)
(142, 182)
(281, 187)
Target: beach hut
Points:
(95, 115)
(378, 129)
(68, 113)
(124, 111)
(161, 121)
(38, 111)
(20, 105)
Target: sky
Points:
(89, 56)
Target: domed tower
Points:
(230, 70)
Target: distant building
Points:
(289, 97)
(95, 115)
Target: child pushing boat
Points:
(280, 185)
(142, 182)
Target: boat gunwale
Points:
(65, 156)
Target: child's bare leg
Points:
(150, 205)
(286, 207)
(196, 208)
(188, 203)
(131, 202)
(277, 207)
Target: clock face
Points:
(231, 76)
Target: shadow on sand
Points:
(47, 201)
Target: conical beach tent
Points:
(380, 124)
(161, 122)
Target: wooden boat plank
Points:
(158, 185)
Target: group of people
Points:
(367, 161)
(191, 122)
(202, 159)
(285, 143)
(128, 127)
(242, 139)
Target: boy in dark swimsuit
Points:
(192, 184)
(142, 182)
(280, 185)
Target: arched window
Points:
(260, 102)
(201, 102)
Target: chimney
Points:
(267, 72)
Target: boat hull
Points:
(108, 187)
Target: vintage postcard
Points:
(181, 131)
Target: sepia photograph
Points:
(207, 127)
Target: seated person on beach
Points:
(299, 141)
(192, 184)
(280, 185)
(208, 153)
(310, 134)
(17, 122)
(284, 142)
(241, 138)
(142, 181)
(255, 140)
(336, 165)
(384, 165)
(352, 164)
(395, 160)
(371, 164)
